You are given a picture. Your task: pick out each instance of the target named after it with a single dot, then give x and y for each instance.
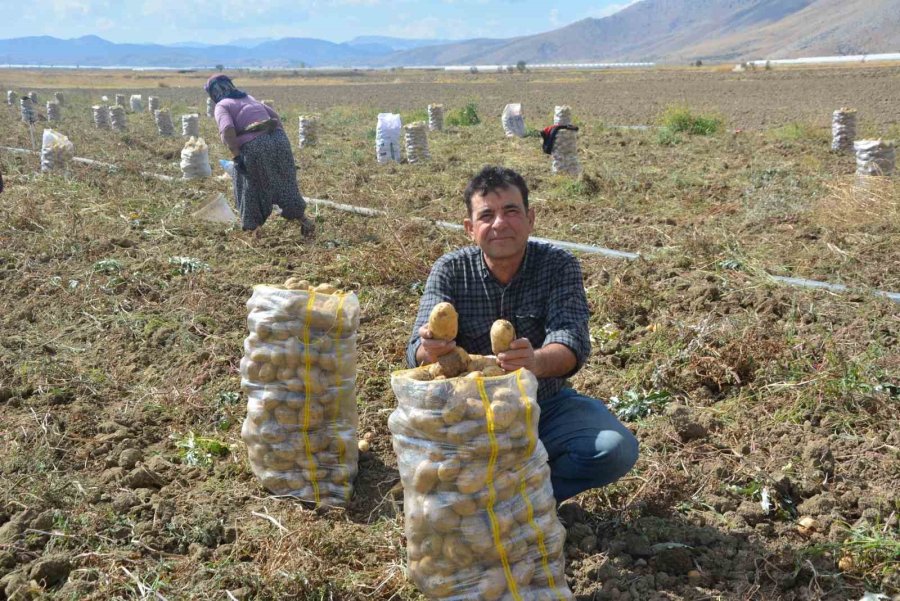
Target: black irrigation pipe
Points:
(586, 248)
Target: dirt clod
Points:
(130, 458)
(51, 570)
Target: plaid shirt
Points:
(545, 302)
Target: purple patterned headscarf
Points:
(220, 87)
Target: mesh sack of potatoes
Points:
(299, 375)
(480, 515)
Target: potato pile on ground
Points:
(299, 374)
(480, 516)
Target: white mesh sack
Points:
(26, 110)
(164, 122)
(119, 100)
(152, 104)
(513, 120)
(101, 116)
(387, 137)
(843, 130)
(136, 102)
(436, 117)
(299, 374)
(210, 108)
(12, 98)
(308, 131)
(416, 137)
(34, 97)
(190, 125)
(117, 118)
(479, 513)
(60, 98)
(565, 149)
(875, 157)
(53, 113)
(195, 159)
(56, 151)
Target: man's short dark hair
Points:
(493, 178)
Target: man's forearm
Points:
(554, 361)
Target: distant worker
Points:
(264, 171)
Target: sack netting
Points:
(299, 375)
(480, 515)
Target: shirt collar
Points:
(487, 275)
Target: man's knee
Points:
(617, 452)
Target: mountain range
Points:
(665, 31)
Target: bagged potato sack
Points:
(56, 151)
(299, 375)
(480, 515)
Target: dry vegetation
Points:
(122, 474)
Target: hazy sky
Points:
(211, 21)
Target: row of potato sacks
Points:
(299, 374)
(480, 516)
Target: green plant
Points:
(680, 119)
(634, 405)
(468, 115)
(199, 451)
(667, 137)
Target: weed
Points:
(633, 405)
(680, 119)
(107, 266)
(667, 137)
(466, 116)
(188, 265)
(198, 451)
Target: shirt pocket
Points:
(530, 322)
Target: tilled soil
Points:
(767, 415)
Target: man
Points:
(539, 288)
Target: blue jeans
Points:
(587, 446)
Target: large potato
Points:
(502, 334)
(443, 322)
(453, 363)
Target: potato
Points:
(439, 515)
(449, 470)
(463, 431)
(463, 505)
(453, 363)
(295, 283)
(492, 584)
(425, 476)
(454, 410)
(472, 478)
(474, 409)
(421, 374)
(443, 322)
(492, 371)
(523, 572)
(502, 334)
(481, 362)
(267, 373)
(456, 551)
(324, 288)
(504, 414)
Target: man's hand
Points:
(432, 348)
(520, 354)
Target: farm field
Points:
(122, 472)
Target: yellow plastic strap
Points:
(526, 402)
(492, 492)
(337, 377)
(545, 562)
(307, 385)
